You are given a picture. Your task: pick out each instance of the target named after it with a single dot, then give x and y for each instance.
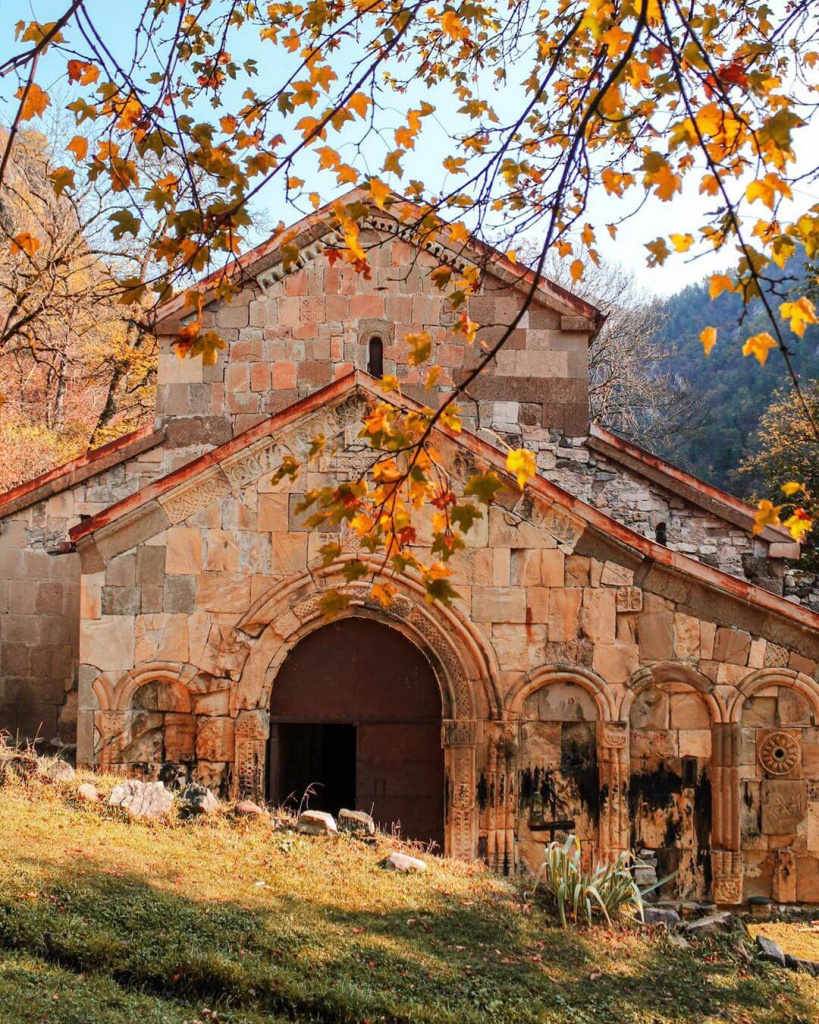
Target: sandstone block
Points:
(183, 552)
(614, 575)
(108, 643)
(221, 551)
(689, 711)
(215, 739)
(615, 662)
(498, 604)
(655, 632)
(223, 592)
(564, 608)
(732, 646)
(598, 616)
(686, 636)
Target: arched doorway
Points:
(356, 713)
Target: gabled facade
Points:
(161, 598)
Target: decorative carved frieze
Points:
(184, 501)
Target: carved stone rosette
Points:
(458, 738)
(252, 731)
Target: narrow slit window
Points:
(661, 534)
(375, 358)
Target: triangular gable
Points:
(318, 231)
(238, 462)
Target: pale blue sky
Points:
(115, 19)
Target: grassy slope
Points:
(109, 920)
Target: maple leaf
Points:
(759, 345)
(792, 487)
(79, 147)
(34, 102)
(800, 313)
(521, 462)
(25, 243)
(708, 338)
(483, 486)
(798, 524)
(379, 191)
(719, 283)
(682, 243)
(767, 514)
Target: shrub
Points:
(609, 889)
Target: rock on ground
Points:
(88, 792)
(770, 951)
(59, 770)
(317, 823)
(404, 863)
(721, 922)
(247, 809)
(197, 799)
(661, 915)
(359, 823)
(142, 799)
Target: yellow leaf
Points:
(458, 233)
(719, 283)
(359, 103)
(708, 338)
(800, 314)
(759, 345)
(34, 103)
(798, 524)
(25, 243)
(682, 243)
(78, 146)
(767, 514)
(791, 488)
(576, 270)
(512, 256)
(521, 462)
(453, 26)
(766, 189)
(587, 236)
(379, 191)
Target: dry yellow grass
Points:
(797, 938)
(158, 922)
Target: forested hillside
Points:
(731, 392)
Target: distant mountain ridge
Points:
(732, 390)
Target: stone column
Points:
(498, 786)
(613, 768)
(252, 731)
(726, 851)
(459, 738)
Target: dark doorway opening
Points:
(314, 756)
(357, 707)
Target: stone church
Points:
(620, 662)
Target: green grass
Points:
(104, 919)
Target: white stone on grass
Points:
(142, 799)
(404, 863)
(317, 823)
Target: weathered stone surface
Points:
(59, 771)
(88, 792)
(711, 925)
(248, 809)
(359, 823)
(197, 799)
(404, 863)
(661, 916)
(142, 799)
(770, 951)
(317, 823)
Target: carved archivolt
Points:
(461, 656)
(547, 674)
(668, 672)
(765, 677)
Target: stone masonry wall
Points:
(40, 603)
(291, 336)
(578, 680)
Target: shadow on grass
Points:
(311, 960)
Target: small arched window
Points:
(375, 357)
(661, 533)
